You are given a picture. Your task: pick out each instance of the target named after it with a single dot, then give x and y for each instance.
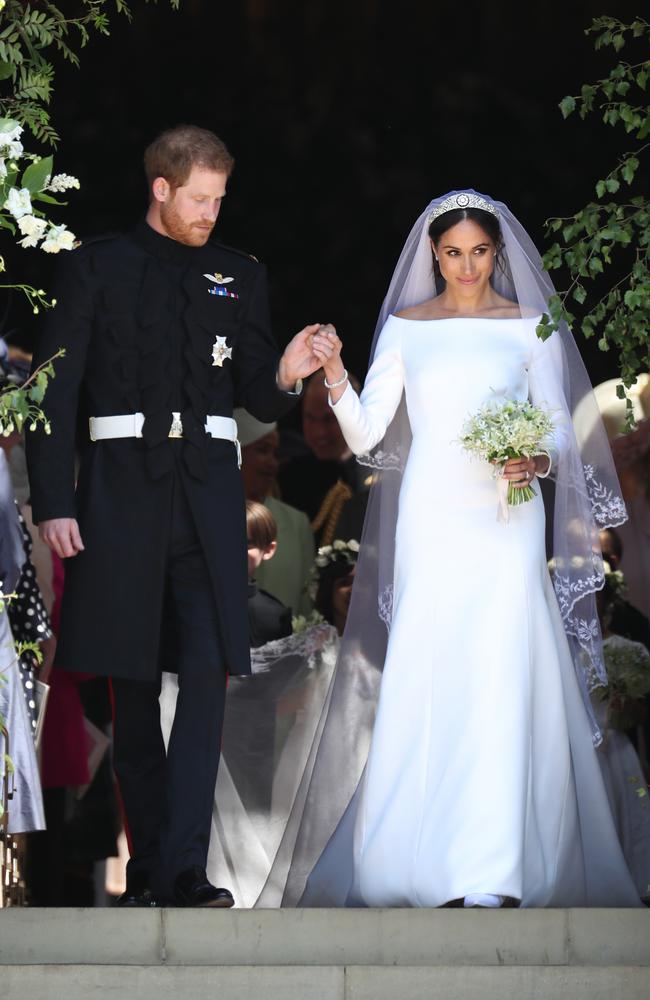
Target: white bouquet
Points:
(511, 429)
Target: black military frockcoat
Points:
(138, 319)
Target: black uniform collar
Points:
(164, 247)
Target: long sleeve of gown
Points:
(545, 374)
(364, 419)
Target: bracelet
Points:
(335, 385)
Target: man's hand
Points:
(299, 360)
(61, 534)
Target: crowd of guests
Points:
(305, 504)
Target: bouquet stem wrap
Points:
(510, 496)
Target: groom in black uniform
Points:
(165, 332)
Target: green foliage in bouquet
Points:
(511, 429)
(610, 237)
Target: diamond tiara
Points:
(463, 200)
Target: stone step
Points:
(329, 954)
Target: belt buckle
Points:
(176, 429)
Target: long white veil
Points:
(586, 498)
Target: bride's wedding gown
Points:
(482, 776)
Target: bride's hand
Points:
(327, 346)
(522, 471)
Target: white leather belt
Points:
(129, 425)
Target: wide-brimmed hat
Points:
(249, 429)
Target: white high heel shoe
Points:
(485, 900)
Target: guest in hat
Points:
(287, 575)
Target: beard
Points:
(192, 234)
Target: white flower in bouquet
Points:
(33, 230)
(58, 238)
(61, 182)
(512, 429)
(18, 202)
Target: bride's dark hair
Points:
(486, 220)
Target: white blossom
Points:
(29, 225)
(58, 238)
(353, 545)
(3, 169)
(28, 241)
(33, 230)
(18, 202)
(61, 182)
(10, 144)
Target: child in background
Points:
(268, 618)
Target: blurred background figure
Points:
(287, 574)
(326, 478)
(632, 457)
(624, 618)
(333, 579)
(68, 715)
(20, 785)
(622, 711)
(268, 617)
(625, 629)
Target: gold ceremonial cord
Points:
(330, 511)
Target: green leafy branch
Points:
(26, 36)
(610, 235)
(20, 406)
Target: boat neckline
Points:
(450, 319)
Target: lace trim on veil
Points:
(388, 460)
(307, 645)
(607, 507)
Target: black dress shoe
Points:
(192, 888)
(138, 892)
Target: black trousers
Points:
(168, 797)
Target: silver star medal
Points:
(220, 352)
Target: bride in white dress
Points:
(482, 785)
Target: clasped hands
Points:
(316, 346)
